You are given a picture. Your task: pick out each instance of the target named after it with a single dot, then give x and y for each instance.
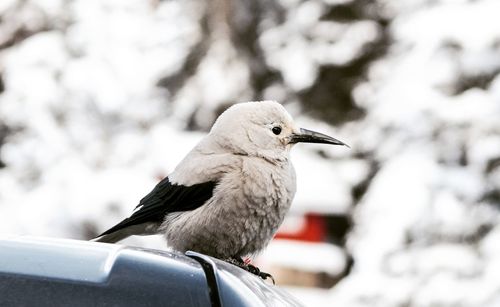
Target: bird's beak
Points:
(308, 136)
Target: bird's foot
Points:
(250, 268)
(256, 271)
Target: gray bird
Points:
(230, 194)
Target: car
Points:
(62, 272)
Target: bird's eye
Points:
(277, 130)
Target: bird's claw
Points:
(256, 271)
(251, 269)
(265, 276)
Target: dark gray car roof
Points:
(60, 272)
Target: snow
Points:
(454, 258)
(329, 195)
(297, 255)
(91, 132)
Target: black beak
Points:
(308, 136)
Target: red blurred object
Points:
(313, 230)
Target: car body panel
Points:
(60, 272)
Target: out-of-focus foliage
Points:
(99, 99)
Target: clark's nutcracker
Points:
(230, 194)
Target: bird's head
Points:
(264, 129)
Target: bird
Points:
(229, 195)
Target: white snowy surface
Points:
(93, 133)
(305, 256)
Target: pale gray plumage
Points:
(255, 184)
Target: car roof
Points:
(62, 272)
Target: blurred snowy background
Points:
(101, 99)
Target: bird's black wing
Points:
(165, 198)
